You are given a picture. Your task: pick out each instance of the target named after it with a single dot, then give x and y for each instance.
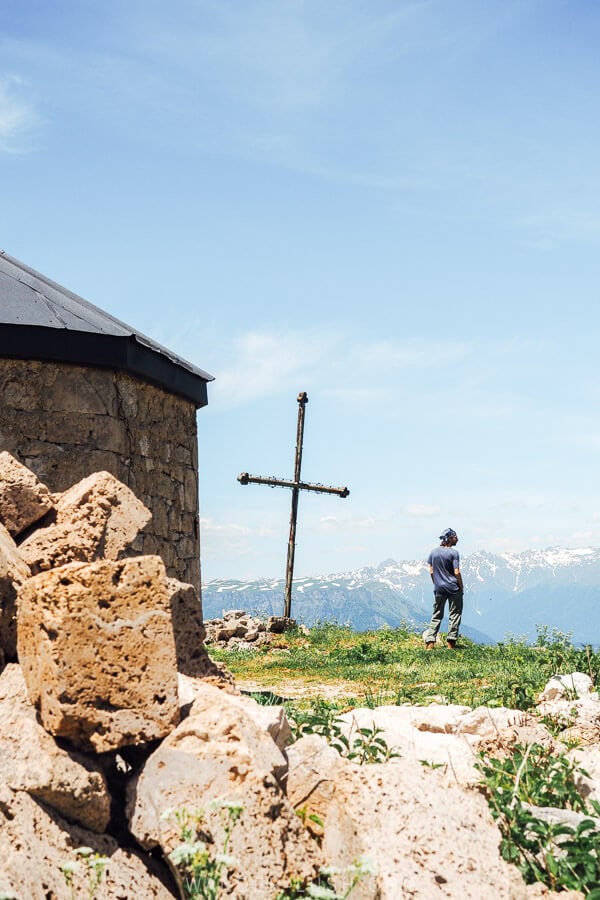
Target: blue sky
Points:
(393, 206)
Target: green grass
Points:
(392, 666)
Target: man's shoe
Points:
(429, 645)
(451, 644)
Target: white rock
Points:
(32, 761)
(220, 753)
(569, 687)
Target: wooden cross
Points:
(296, 485)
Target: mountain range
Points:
(506, 594)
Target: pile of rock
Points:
(111, 712)
(240, 631)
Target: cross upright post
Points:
(296, 486)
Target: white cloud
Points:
(421, 510)
(262, 364)
(331, 524)
(17, 116)
(228, 530)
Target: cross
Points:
(296, 485)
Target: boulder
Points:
(403, 728)
(220, 754)
(189, 632)
(35, 844)
(23, 498)
(567, 687)
(32, 761)
(424, 835)
(98, 654)
(588, 759)
(13, 572)
(97, 518)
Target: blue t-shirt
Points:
(444, 561)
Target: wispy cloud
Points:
(421, 510)
(262, 364)
(17, 116)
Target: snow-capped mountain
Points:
(507, 593)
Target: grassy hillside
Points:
(391, 666)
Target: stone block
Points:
(23, 498)
(189, 632)
(97, 518)
(97, 650)
(13, 572)
(32, 761)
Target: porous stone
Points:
(186, 615)
(32, 761)
(96, 645)
(23, 498)
(98, 518)
(36, 843)
(221, 754)
(13, 572)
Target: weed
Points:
(322, 887)
(201, 873)
(558, 855)
(90, 866)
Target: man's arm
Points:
(431, 572)
(459, 580)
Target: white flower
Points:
(321, 893)
(364, 866)
(69, 868)
(184, 852)
(84, 851)
(225, 859)
(328, 871)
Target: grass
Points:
(391, 666)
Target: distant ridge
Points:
(506, 594)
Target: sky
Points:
(393, 206)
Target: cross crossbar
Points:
(296, 485)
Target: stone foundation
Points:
(65, 422)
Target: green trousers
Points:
(455, 608)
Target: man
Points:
(444, 568)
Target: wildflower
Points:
(186, 851)
(225, 859)
(321, 893)
(69, 868)
(329, 871)
(84, 851)
(364, 866)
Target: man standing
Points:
(444, 568)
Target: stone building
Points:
(83, 392)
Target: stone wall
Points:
(65, 422)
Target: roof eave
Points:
(124, 353)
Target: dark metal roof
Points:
(39, 319)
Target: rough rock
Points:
(32, 761)
(35, 843)
(98, 654)
(588, 758)
(580, 718)
(186, 615)
(272, 719)
(399, 731)
(13, 572)
(220, 753)
(567, 687)
(98, 518)
(425, 835)
(23, 498)
(236, 631)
